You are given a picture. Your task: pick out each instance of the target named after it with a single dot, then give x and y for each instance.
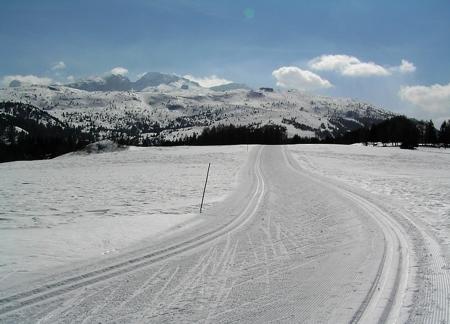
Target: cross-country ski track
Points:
(286, 246)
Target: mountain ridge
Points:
(171, 112)
(117, 82)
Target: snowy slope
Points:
(178, 110)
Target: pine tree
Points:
(430, 133)
(444, 134)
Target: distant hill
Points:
(108, 83)
(154, 79)
(121, 83)
(230, 87)
(170, 112)
(27, 133)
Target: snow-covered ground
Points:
(418, 180)
(414, 188)
(79, 206)
(306, 234)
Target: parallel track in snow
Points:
(54, 289)
(384, 299)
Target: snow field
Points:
(418, 179)
(74, 207)
(308, 234)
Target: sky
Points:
(395, 54)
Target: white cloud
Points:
(70, 78)
(26, 79)
(59, 66)
(365, 69)
(332, 62)
(119, 71)
(347, 65)
(406, 67)
(208, 81)
(434, 99)
(294, 77)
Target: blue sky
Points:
(257, 42)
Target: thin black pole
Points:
(204, 188)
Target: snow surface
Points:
(418, 179)
(53, 212)
(308, 234)
(414, 187)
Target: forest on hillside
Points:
(28, 133)
(397, 131)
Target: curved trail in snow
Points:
(384, 300)
(286, 246)
(425, 276)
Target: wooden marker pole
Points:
(204, 188)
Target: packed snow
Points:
(78, 206)
(418, 180)
(414, 187)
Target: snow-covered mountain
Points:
(111, 82)
(175, 108)
(115, 82)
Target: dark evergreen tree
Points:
(398, 130)
(444, 133)
(430, 133)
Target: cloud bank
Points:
(434, 99)
(26, 79)
(294, 77)
(208, 81)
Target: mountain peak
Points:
(154, 79)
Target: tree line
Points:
(398, 131)
(231, 135)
